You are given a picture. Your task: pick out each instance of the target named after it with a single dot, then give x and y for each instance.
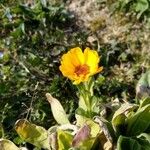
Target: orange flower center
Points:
(82, 69)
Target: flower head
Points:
(79, 66)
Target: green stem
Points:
(88, 88)
(86, 94)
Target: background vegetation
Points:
(34, 35)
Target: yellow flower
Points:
(79, 66)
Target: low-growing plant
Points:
(139, 7)
(109, 126)
(30, 45)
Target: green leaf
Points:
(143, 85)
(44, 3)
(81, 120)
(144, 102)
(119, 116)
(19, 31)
(141, 7)
(64, 140)
(6, 56)
(82, 103)
(144, 144)
(145, 79)
(95, 129)
(126, 143)
(87, 144)
(57, 110)
(140, 143)
(84, 113)
(97, 143)
(7, 145)
(144, 140)
(139, 122)
(100, 80)
(145, 136)
(124, 3)
(1, 131)
(33, 134)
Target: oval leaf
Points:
(139, 122)
(32, 133)
(57, 110)
(126, 143)
(7, 145)
(119, 116)
(143, 85)
(64, 139)
(82, 135)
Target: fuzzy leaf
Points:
(143, 85)
(81, 120)
(88, 144)
(82, 135)
(33, 134)
(64, 140)
(7, 145)
(57, 110)
(119, 116)
(139, 122)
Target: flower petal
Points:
(91, 59)
(79, 66)
(77, 57)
